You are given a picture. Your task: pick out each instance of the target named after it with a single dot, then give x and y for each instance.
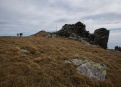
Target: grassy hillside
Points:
(39, 62)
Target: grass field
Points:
(39, 62)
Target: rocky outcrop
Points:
(101, 37)
(69, 29)
(118, 48)
(78, 32)
(90, 68)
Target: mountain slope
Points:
(39, 62)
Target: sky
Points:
(31, 16)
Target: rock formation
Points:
(101, 37)
(69, 29)
(118, 48)
(78, 32)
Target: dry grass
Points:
(43, 66)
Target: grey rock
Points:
(77, 28)
(75, 31)
(117, 48)
(54, 35)
(90, 68)
(24, 50)
(101, 37)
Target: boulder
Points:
(118, 48)
(90, 68)
(101, 37)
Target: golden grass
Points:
(43, 66)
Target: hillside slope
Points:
(39, 62)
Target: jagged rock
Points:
(117, 48)
(68, 29)
(101, 37)
(73, 31)
(90, 68)
(90, 38)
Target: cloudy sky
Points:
(31, 16)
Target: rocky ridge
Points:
(78, 32)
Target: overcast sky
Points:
(31, 16)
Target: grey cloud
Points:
(3, 23)
(105, 16)
(62, 20)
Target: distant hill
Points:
(41, 33)
(44, 62)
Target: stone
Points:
(101, 37)
(90, 68)
(117, 48)
(24, 51)
(54, 35)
